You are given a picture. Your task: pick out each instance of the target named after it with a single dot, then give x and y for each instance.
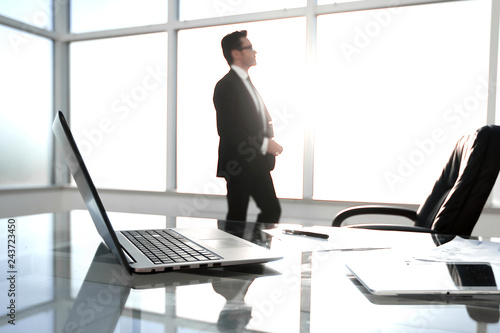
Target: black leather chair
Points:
(458, 196)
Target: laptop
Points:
(146, 251)
(425, 278)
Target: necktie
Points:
(260, 106)
(255, 96)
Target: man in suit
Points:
(247, 150)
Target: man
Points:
(247, 150)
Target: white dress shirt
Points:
(257, 100)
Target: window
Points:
(34, 12)
(25, 109)
(396, 88)
(279, 77)
(93, 15)
(118, 109)
(392, 91)
(198, 9)
(496, 188)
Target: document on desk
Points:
(465, 250)
(301, 242)
(319, 238)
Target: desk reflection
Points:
(107, 286)
(68, 281)
(236, 313)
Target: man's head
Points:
(238, 50)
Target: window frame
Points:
(61, 37)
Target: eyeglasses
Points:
(247, 48)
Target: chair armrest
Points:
(373, 209)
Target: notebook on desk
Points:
(146, 251)
(398, 277)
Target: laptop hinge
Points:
(130, 259)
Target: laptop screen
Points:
(86, 187)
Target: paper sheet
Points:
(461, 249)
(411, 246)
(340, 239)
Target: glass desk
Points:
(61, 278)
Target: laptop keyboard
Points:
(168, 246)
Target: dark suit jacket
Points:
(240, 129)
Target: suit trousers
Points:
(261, 189)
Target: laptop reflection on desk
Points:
(107, 286)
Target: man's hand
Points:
(274, 148)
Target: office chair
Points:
(458, 197)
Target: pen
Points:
(305, 233)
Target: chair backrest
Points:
(460, 193)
